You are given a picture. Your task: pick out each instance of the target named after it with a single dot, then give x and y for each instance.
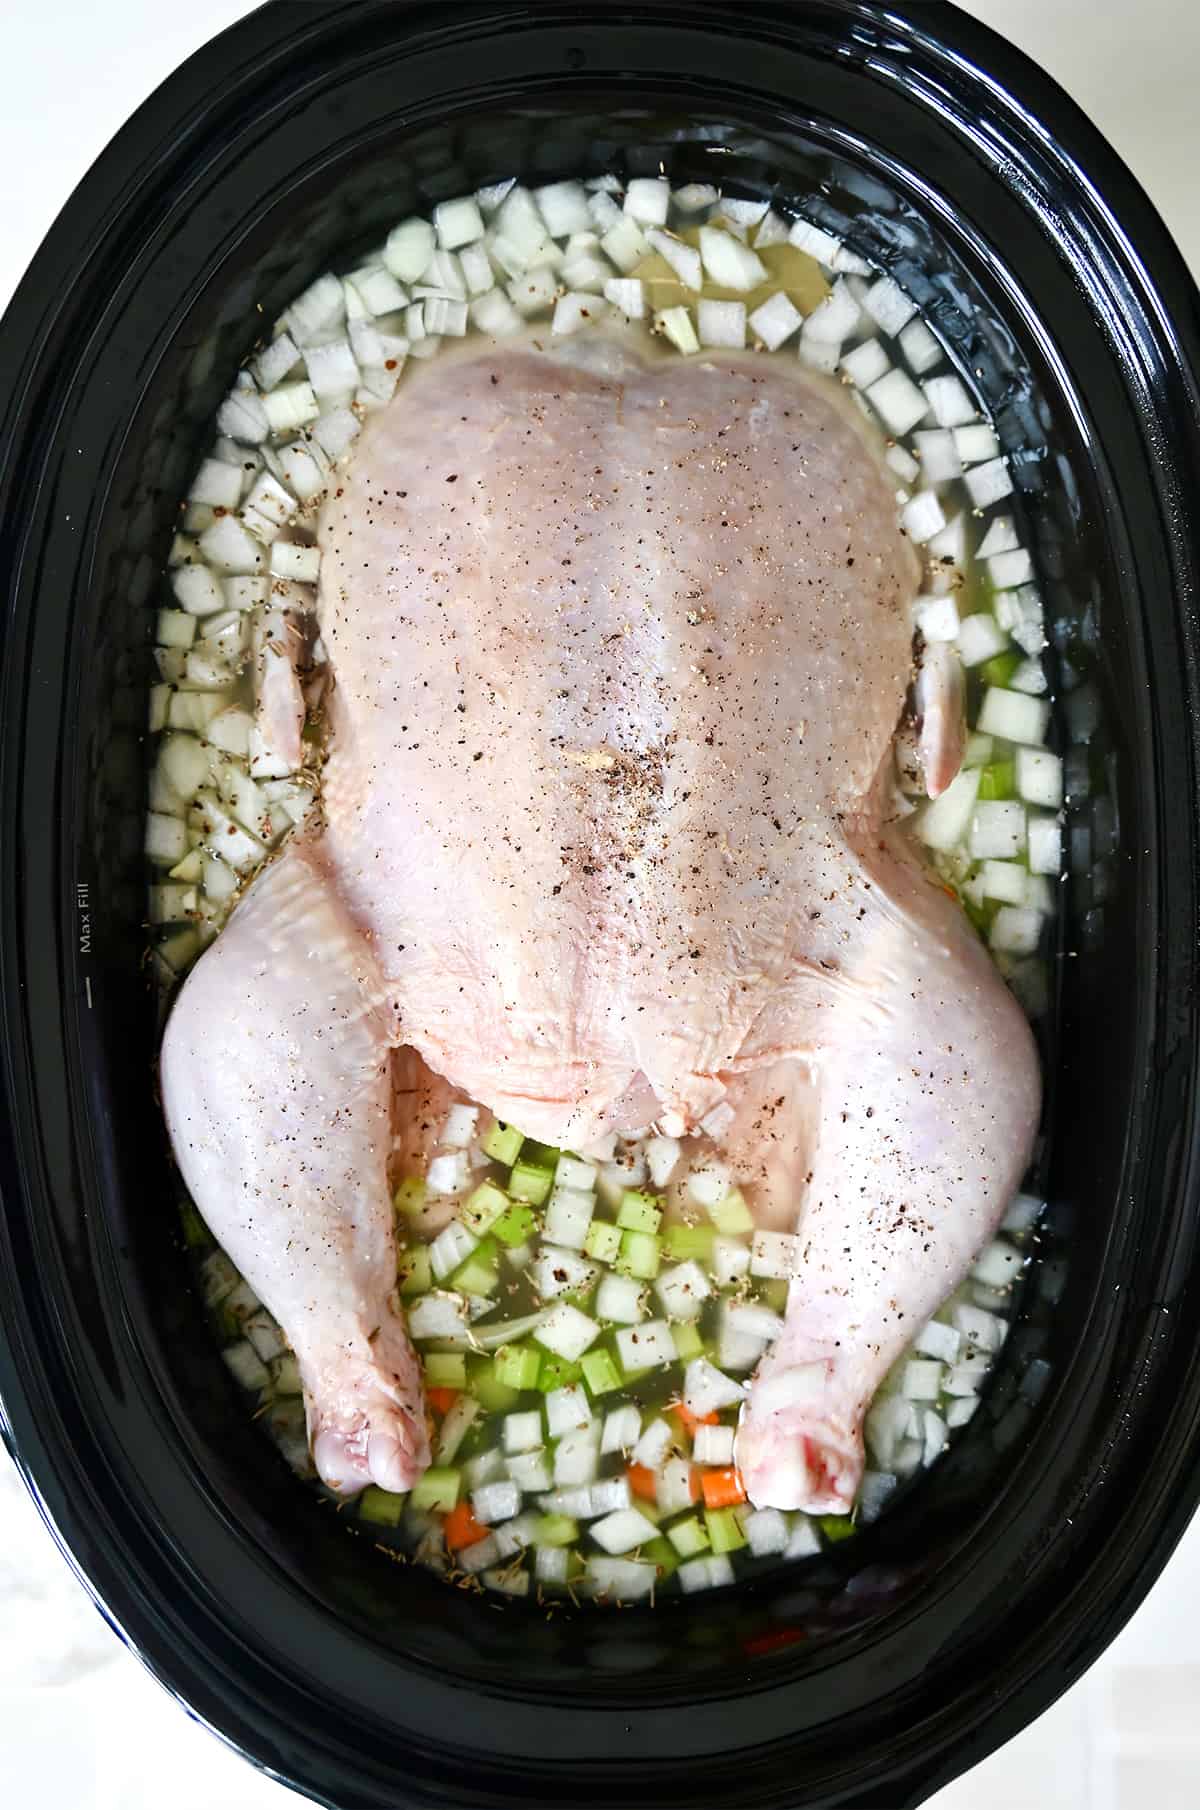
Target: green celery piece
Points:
(836, 1527)
(688, 1536)
(484, 1385)
(415, 1271)
(444, 1370)
(982, 916)
(479, 1274)
(517, 1366)
(640, 1252)
(638, 1212)
(516, 1225)
(556, 1373)
(683, 1241)
(688, 1343)
(484, 1207)
(661, 1554)
(437, 1491)
(999, 669)
(541, 1156)
(603, 1240)
(600, 1372)
(724, 1529)
(196, 1234)
(381, 1507)
(502, 1142)
(555, 1530)
(409, 1197)
(773, 1293)
(731, 1216)
(529, 1183)
(998, 780)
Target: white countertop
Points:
(81, 1724)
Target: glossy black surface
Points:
(873, 1675)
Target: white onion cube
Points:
(1045, 845)
(705, 1388)
(653, 1445)
(620, 1300)
(950, 402)
(642, 1347)
(622, 1429)
(1013, 716)
(776, 320)
(495, 1502)
(683, 1290)
(566, 1332)
(774, 1255)
(920, 348)
(922, 517)
(721, 324)
(713, 1445)
(728, 262)
(897, 401)
(987, 483)
(627, 295)
(888, 306)
(866, 364)
(648, 199)
(621, 1532)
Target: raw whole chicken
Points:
(618, 650)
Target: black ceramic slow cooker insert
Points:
(871, 1675)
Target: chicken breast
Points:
(618, 648)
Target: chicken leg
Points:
(277, 1088)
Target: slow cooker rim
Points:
(281, 37)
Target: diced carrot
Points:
(642, 1482)
(442, 1399)
(692, 1421)
(723, 1487)
(770, 1643)
(461, 1528)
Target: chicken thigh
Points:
(618, 650)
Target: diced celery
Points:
(640, 1253)
(998, 780)
(541, 1156)
(530, 1183)
(556, 1373)
(600, 1373)
(502, 1142)
(724, 1529)
(660, 1553)
(484, 1207)
(638, 1212)
(516, 1225)
(836, 1527)
(688, 1343)
(484, 1385)
(773, 1293)
(603, 1240)
(444, 1370)
(381, 1507)
(998, 671)
(555, 1530)
(479, 1274)
(437, 1491)
(517, 1366)
(682, 1241)
(688, 1537)
(409, 1197)
(196, 1234)
(731, 1216)
(415, 1270)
